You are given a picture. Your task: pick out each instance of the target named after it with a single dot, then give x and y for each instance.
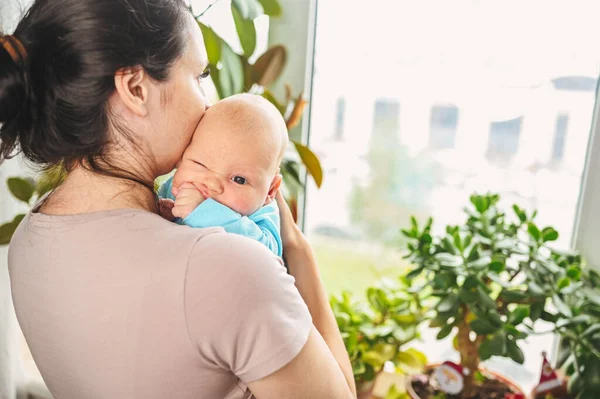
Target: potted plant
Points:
(488, 281)
(376, 331)
(579, 357)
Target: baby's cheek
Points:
(247, 204)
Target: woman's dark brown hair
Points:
(54, 106)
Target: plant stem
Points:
(204, 12)
(469, 352)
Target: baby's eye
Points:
(239, 180)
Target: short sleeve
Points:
(243, 311)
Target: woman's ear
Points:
(275, 185)
(132, 88)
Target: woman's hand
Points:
(291, 235)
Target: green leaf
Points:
(591, 330)
(497, 266)
(246, 31)
(271, 8)
(21, 189)
(212, 42)
(481, 203)
(563, 283)
(480, 263)
(513, 331)
(581, 319)
(513, 296)
(471, 282)
(269, 66)
(374, 358)
(514, 352)
(358, 367)
(483, 327)
(447, 303)
(494, 318)
(549, 317)
(468, 296)
(561, 306)
(574, 272)
(495, 346)
(534, 232)
(535, 289)
(448, 260)
(485, 300)
(248, 9)
(412, 358)
(549, 234)
(312, 163)
(6, 232)
(377, 299)
(271, 98)
(520, 213)
(414, 273)
(517, 316)
(445, 331)
(289, 170)
(536, 310)
(231, 75)
(592, 295)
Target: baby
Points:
(238, 147)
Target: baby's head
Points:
(239, 143)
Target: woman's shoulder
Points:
(233, 253)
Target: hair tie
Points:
(14, 48)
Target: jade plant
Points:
(489, 279)
(377, 331)
(580, 335)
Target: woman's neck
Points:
(84, 191)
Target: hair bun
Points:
(13, 86)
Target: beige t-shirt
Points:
(123, 304)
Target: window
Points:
(504, 138)
(470, 106)
(339, 119)
(386, 122)
(560, 133)
(442, 127)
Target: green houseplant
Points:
(580, 336)
(376, 331)
(491, 278)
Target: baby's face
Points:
(238, 156)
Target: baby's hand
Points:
(187, 199)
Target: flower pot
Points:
(505, 380)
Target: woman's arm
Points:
(303, 267)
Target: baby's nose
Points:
(213, 186)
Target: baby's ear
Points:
(274, 188)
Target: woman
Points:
(114, 301)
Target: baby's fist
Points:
(188, 198)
